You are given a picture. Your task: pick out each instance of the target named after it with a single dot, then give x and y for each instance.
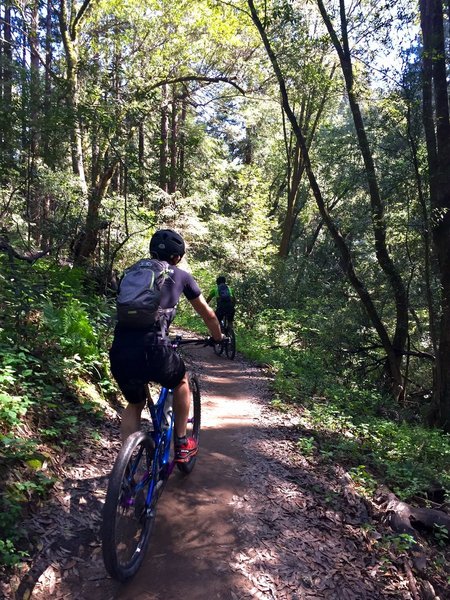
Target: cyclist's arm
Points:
(208, 315)
(212, 294)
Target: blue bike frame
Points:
(163, 425)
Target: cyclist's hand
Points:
(212, 342)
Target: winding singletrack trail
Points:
(255, 519)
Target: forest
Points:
(302, 148)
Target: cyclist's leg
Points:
(170, 371)
(128, 366)
(181, 403)
(186, 456)
(185, 447)
(131, 419)
(220, 314)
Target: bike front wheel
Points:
(193, 424)
(218, 348)
(128, 514)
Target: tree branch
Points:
(29, 257)
(203, 78)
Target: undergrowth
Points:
(53, 341)
(346, 419)
(350, 420)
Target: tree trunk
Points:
(88, 244)
(173, 147)
(308, 120)
(141, 155)
(425, 236)
(163, 148)
(48, 87)
(297, 171)
(181, 145)
(69, 28)
(437, 134)
(34, 209)
(6, 138)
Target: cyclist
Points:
(225, 297)
(138, 356)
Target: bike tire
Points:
(193, 428)
(218, 348)
(230, 346)
(127, 521)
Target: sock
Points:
(179, 441)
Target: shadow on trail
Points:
(194, 534)
(302, 529)
(66, 535)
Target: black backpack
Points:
(138, 298)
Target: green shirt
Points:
(214, 293)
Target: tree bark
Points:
(34, 209)
(163, 148)
(94, 225)
(425, 236)
(173, 146)
(437, 135)
(69, 27)
(181, 145)
(295, 178)
(48, 86)
(309, 122)
(6, 141)
(141, 164)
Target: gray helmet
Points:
(166, 243)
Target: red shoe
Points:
(186, 451)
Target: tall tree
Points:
(70, 21)
(437, 133)
(6, 73)
(393, 352)
(379, 225)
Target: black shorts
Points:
(225, 311)
(135, 365)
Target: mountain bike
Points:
(139, 476)
(229, 343)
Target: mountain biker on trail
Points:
(142, 354)
(225, 297)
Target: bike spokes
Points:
(129, 509)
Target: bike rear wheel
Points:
(193, 425)
(127, 519)
(230, 345)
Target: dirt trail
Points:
(253, 520)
